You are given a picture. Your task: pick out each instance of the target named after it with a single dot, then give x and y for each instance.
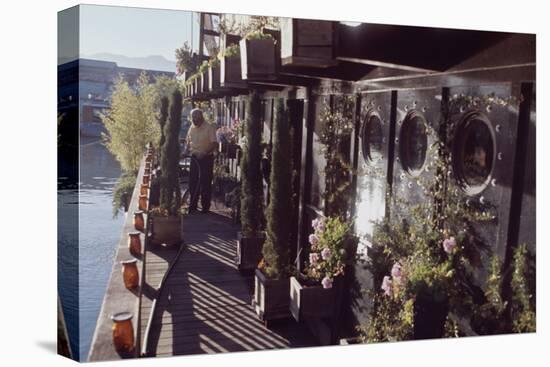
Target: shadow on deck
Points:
(204, 306)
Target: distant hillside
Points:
(154, 62)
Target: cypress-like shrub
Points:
(170, 194)
(251, 179)
(276, 246)
(162, 120)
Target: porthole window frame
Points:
(410, 116)
(459, 137)
(365, 143)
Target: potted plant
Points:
(315, 292)
(230, 68)
(228, 137)
(251, 237)
(309, 43)
(203, 72)
(258, 56)
(166, 219)
(272, 287)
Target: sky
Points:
(135, 32)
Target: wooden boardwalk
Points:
(204, 306)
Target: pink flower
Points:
(387, 286)
(313, 239)
(318, 224)
(313, 258)
(325, 254)
(396, 271)
(327, 282)
(449, 244)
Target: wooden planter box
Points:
(249, 251)
(205, 85)
(310, 43)
(166, 230)
(230, 72)
(271, 297)
(258, 59)
(214, 78)
(312, 301)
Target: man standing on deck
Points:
(201, 143)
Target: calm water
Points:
(98, 236)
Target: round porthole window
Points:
(413, 143)
(372, 138)
(474, 151)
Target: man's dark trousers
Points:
(201, 186)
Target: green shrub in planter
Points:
(272, 286)
(166, 219)
(251, 236)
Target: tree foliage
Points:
(186, 60)
(251, 193)
(170, 194)
(132, 121)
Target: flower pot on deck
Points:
(271, 297)
(258, 59)
(309, 43)
(166, 230)
(430, 313)
(313, 301)
(249, 251)
(230, 72)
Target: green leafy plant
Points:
(122, 192)
(252, 192)
(162, 120)
(258, 35)
(276, 246)
(186, 60)
(336, 132)
(230, 51)
(203, 67)
(523, 300)
(332, 245)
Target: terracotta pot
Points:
(143, 189)
(139, 222)
(142, 204)
(123, 332)
(130, 273)
(146, 179)
(134, 243)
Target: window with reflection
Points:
(372, 138)
(474, 150)
(413, 143)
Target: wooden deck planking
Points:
(205, 304)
